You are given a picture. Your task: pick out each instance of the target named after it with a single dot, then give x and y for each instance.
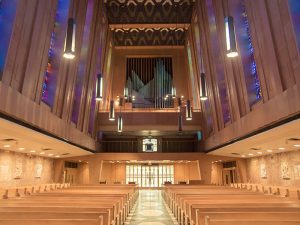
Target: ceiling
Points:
(280, 139)
(149, 22)
(17, 138)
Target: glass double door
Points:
(149, 175)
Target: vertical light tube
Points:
(112, 111)
(180, 123)
(120, 124)
(179, 102)
(188, 110)
(69, 48)
(203, 90)
(99, 87)
(230, 37)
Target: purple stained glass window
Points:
(219, 67)
(295, 14)
(81, 72)
(8, 10)
(55, 52)
(246, 50)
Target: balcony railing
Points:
(136, 146)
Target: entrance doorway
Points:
(150, 175)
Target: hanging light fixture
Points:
(179, 102)
(188, 110)
(112, 111)
(230, 37)
(173, 92)
(69, 49)
(99, 87)
(203, 91)
(120, 124)
(180, 123)
(126, 93)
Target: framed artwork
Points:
(38, 170)
(18, 168)
(297, 171)
(285, 173)
(263, 171)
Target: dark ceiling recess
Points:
(149, 36)
(162, 22)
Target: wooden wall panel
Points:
(26, 62)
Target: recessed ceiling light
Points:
(250, 154)
(297, 145)
(243, 156)
(269, 150)
(57, 156)
(32, 151)
(79, 161)
(281, 148)
(259, 153)
(42, 153)
(6, 146)
(50, 154)
(21, 149)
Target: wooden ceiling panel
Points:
(162, 22)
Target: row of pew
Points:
(220, 205)
(288, 192)
(76, 205)
(21, 191)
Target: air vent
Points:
(293, 139)
(47, 149)
(9, 139)
(66, 154)
(234, 153)
(255, 149)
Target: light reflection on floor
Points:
(150, 210)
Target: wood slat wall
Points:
(26, 61)
(277, 58)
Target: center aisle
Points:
(151, 210)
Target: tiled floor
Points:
(150, 210)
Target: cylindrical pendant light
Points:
(126, 94)
(180, 123)
(179, 102)
(99, 87)
(112, 111)
(188, 110)
(120, 124)
(69, 49)
(203, 91)
(230, 37)
(173, 92)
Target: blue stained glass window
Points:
(295, 14)
(8, 10)
(219, 67)
(55, 52)
(246, 50)
(82, 62)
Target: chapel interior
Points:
(150, 112)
